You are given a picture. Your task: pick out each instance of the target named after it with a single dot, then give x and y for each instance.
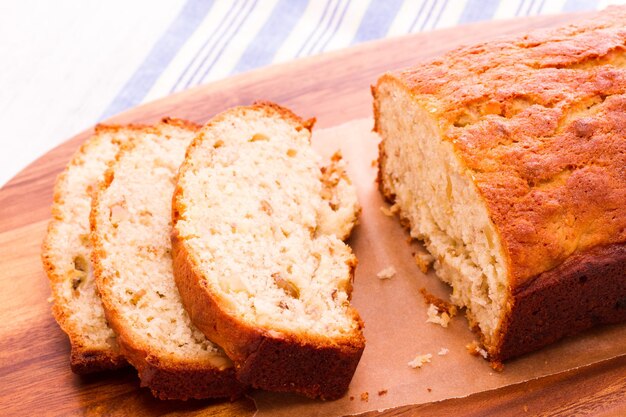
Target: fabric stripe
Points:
(553, 6)
(418, 15)
(335, 14)
(428, 16)
(450, 14)
(164, 50)
(221, 41)
(348, 28)
(207, 46)
(316, 28)
(438, 16)
(579, 5)
(228, 40)
(311, 18)
(539, 7)
(263, 48)
(478, 10)
(337, 26)
(377, 20)
(323, 32)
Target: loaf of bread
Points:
(258, 253)
(131, 226)
(66, 254)
(508, 159)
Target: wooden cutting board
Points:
(34, 371)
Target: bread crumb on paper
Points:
(437, 317)
(443, 351)
(365, 396)
(442, 305)
(497, 366)
(382, 392)
(391, 211)
(423, 261)
(420, 360)
(475, 349)
(387, 273)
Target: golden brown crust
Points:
(589, 289)
(314, 367)
(317, 367)
(166, 377)
(539, 122)
(83, 359)
(283, 112)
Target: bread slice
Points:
(507, 158)
(258, 255)
(131, 225)
(66, 254)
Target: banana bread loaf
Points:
(508, 159)
(258, 252)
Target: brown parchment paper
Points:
(394, 313)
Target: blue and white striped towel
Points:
(68, 64)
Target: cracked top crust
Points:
(539, 122)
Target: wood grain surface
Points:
(35, 378)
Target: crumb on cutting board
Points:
(420, 360)
(443, 351)
(387, 273)
(365, 396)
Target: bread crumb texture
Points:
(67, 252)
(265, 224)
(390, 211)
(436, 316)
(474, 348)
(387, 273)
(132, 226)
(420, 360)
(424, 261)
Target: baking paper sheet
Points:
(394, 313)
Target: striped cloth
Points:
(88, 60)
